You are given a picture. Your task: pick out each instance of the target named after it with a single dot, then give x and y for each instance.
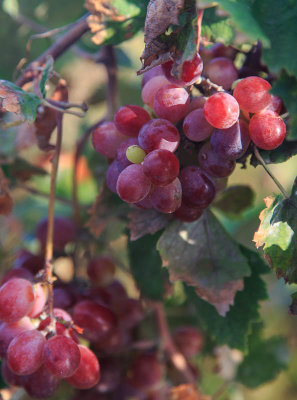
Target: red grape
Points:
(40, 299)
(106, 139)
(161, 167)
(64, 232)
(197, 102)
(144, 204)
(275, 104)
(159, 134)
(171, 102)
(167, 199)
(129, 119)
(221, 110)
(132, 184)
(151, 73)
(187, 214)
(101, 270)
(211, 163)
(16, 299)
(10, 377)
(88, 373)
(150, 89)
(195, 126)
(189, 340)
(252, 94)
(110, 376)
(129, 313)
(146, 371)
(10, 331)
(112, 175)
(24, 354)
(222, 72)
(121, 158)
(191, 71)
(198, 189)
(42, 383)
(17, 273)
(267, 130)
(220, 50)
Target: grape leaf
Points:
(265, 359)
(217, 28)
(143, 222)
(285, 151)
(277, 234)
(203, 255)
(14, 99)
(234, 329)
(146, 266)
(234, 200)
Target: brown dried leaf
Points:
(186, 392)
(143, 222)
(9, 100)
(6, 202)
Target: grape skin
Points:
(159, 134)
(42, 383)
(101, 270)
(222, 72)
(106, 139)
(191, 71)
(133, 185)
(167, 199)
(195, 126)
(171, 102)
(112, 175)
(221, 110)
(187, 214)
(129, 119)
(150, 89)
(215, 166)
(121, 157)
(161, 167)
(252, 94)
(8, 331)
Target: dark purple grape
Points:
(213, 164)
(167, 199)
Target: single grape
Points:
(64, 232)
(167, 199)
(10, 377)
(220, 50)
(197, 102)
(231, 143)
(214, 165)
(189, 341)
(222, 72)
(121, 157)
(16, 299)
(267, 130)
(171, 102)
(61, 356)
(191, 71)
(132, 184)
(144, 204)
(40, 299)
(146, 371)
(41, 384)
(112, 175)
(187, 214)
(9, 331)
(63, 298)
(129, 119)
(151, 73)
(101, 270)
(195, 126)
(198, 189)
(135, 154)
(159, 134)
(96, 320)
(252, 94)
(221, 110)
(151, 87)
(106, 139)
(161, 167)
(24, 354)
(88, 373)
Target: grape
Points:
(267, 130)
(40, 298)
(10, 377)
(191, 71)
(222, 72)
(24, 354)
(150, 89)
(118, 340)
(171, 102)
(151, 73)
(231, 143)
(161, 167)
(189, 341)
(112, 175)
(17, 273)
(132, 184)
(167, 199)
(187, 214)
(275, 104)
(96, 320)
(159, 134)
(221, 110)
(106, 139)
(31, 262)
(135, 154)
(16, 299)
(211, 163)
(146, 371)
(195, 126)
(88, 373)
(61, 356)
(110, 376)
(129, 313)
(64, 232)
(197, 102)
(121, 157)
(145, 204)
(62, 298)
(101, 270)
(220, 50)
(198, 189)
(10, 331)
(129, 119)
(220, 184)
(117, 293)
(42, 383)
(252, 94)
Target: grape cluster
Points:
(176, 161)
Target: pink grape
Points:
(171, 102)
(187, 214)
(9, 331)
(151, 73)
(41, 384)
(252, 94)
(24, 354)
(112, 175)
(222, 72)
(121, 158)
(132, 184)
(88, 373)
(211, 163)
(150, 89)
(161, 167)
(167, 199)
(195, 126)
(159, 134)
(101, 270)
(129, 119)
(221, 110)
(16, 299)
(106, 139)
(275, 104)
(191, 71)
(40, 299)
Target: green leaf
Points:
(285, 151)
(286, 88)
(293, 305)
(234, 200)
(203, 255)
(277, 234)
(217, 28)
(46, 74)
(233, 329)
(16, 100)
(265, 359)
(146, 266)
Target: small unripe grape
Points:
(135, 154)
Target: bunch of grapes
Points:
(177, 155)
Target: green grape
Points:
(135, 154)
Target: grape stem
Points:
(199, 23)
(176, 358)
(48, 268)
(264, 165)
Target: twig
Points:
(110, 63)
(49, 103)
(176, 358)
(208, 85)
(199, 23)
(275, 180)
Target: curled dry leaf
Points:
(143, 222)
(6, 202)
